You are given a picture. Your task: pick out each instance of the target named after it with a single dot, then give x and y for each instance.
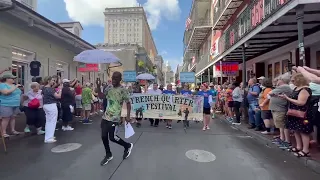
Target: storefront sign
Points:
(129, 76)
(187, 77)
(214, 51)
(228, 68)
(256, 13)
(173, 107)
(88, 67)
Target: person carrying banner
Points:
(169, 91)
(154, 91)
(116, 96)
(186, 92)
(207, 100)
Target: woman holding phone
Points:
(50, 100)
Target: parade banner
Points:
(172, 107)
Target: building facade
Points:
(132, 56)
(265, 36)
(32, 4)
(159, 69)
(129, 25)
(73, 27)
(197, 36)
(22, 42)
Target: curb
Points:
(308, 162)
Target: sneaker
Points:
(67, 128)
(178, 121)
(86, 121)
(127, 151)
(53, 140)
(167, 126)
(170, 127)
(204, 128)
(27, 129)
(265, 132)
(277, 141)
(207, 127)
(6, 135)
(237, 124)
(105, 160)
(285, 145)
(40, 132)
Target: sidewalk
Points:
(312, 162)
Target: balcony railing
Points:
(203, 62)
(256, 13)
(201, 23)
(219, 10)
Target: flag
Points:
(188, 22)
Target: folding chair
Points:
(3, 141)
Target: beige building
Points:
(32, 4)
(27, 36)
(129, 25)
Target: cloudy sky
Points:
(166, 19)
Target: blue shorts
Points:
(8, 111)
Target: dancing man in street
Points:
(116, 96)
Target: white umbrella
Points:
(97, 56)
(145, 76)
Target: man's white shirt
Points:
(154, 92)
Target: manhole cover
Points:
(66, 147)
(200, 155)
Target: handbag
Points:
(34, 103)
(297, 113)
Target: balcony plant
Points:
(140, 63)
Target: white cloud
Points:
(90, 12)
(163, 53)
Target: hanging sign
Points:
(228, 68)
(129, 76)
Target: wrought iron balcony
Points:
(203, 62)
(197, 34)
(223, 11)
(256, 13)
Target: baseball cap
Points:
(8, 76)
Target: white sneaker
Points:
(265, 132)
(67, 128)
(50, 141)
(236, 124)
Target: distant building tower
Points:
(129, 25)
(73, 27)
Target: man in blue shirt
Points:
(169, 91)
(252, 97)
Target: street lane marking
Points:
(200, 155)
(66, 147)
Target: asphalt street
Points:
(158, 154)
